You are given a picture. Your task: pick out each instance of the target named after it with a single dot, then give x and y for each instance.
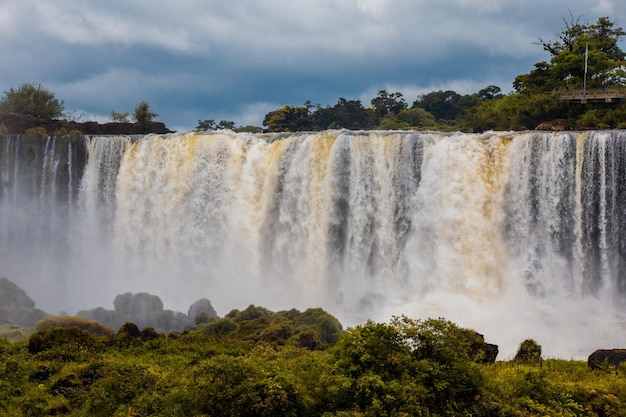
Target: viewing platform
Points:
(593, 95)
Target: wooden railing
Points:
(596, 94)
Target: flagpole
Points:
(585, 79)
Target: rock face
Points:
(602, 358)
(479, 350)
(19, 123)
(554, 125)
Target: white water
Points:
(515, 235)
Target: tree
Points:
(143, 115)
(388, 104)
(599, 42)
(32, 100)
(490, 92)
(207, 124)
(226, 124)
(288, 119)
(119, 117)
(444, 105)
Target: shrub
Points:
(90, 326)
(68, 340)
(529, 352)
(35, 134)
(250, 313)
(32, 100)
(327, 327)
(219, 327)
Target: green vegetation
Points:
(32, 100)
(534, 100)
(229, 368)
(143, 114)
(257, 362)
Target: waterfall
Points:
(518, 235)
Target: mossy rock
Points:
(12, 296)
(14, 333)
(90, 326)
(529, 352)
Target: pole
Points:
(585, 79)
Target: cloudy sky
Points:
(237, 60)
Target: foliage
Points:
(208, 124)
(288, 119)
(35, 134)
(604, 62)
(406, 367)
(388, 104)
(529, 352)
(248, 129)
(409, 118)
(90, 326)
(32, 100)
(143, 114)
(117, 117)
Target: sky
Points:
(238, 60)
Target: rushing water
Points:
(517, 235)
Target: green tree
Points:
(288, 119)
(388, 104)
(32, 100)
(119, 117)
(207, 124)
(226, 124)
(490, 92)
(143, 114)
(599, 41)
(444, 105)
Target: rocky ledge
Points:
(15, 123)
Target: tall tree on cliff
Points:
(32, 100)
(579, 42)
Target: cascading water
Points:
(517, 235)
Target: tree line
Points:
(583, 55)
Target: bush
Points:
(70, 340)
(90, 326)
(219, 327)
(35, 134)
(529, 352)
(32, 100)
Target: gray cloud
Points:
(198, 59)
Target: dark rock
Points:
(18, 123)
(479, 350)
(603, 358)
(554, 125)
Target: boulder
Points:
(602, 358)
(554, 125)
